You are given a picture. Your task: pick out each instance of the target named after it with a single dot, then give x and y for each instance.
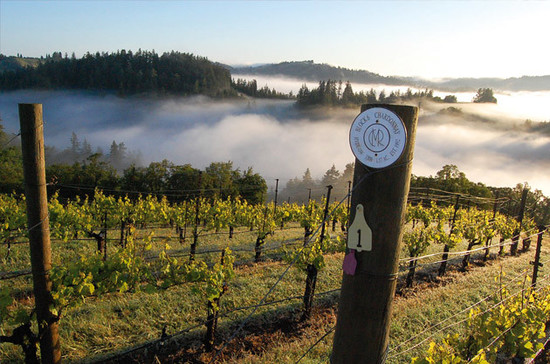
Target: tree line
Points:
(89, 170)
(449, 179)
(121, 172)
(336, 93)
(125, 72)
(173, 72)
(302, 189)
(250, 88)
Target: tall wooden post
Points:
(536, 263)
(495, 207)
(515, 239)
(446, 248)
(276, 194)
(364, 310)
(34, 169)
(193, 248)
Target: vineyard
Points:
(146, 279)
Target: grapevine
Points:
(510, 329)
(135, 266)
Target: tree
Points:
(117, 155)
(252, 187)
(484, 95)
(86, 149)
(220, 178)
(382, 96)
(450, 99)
(307, 180)
(157, 175)
(304, 95)
(451, 179)
(348, 97)
(331, 176)
(371, 97)
(75, 144)
(449, 172)
(340, 189)
(11, 170)
(184, 179)
(133, 179)
(3, 136)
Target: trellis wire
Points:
(464, 320)
(301, 252)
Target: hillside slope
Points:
(311, 71)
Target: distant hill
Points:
(311, 71)
(525, 83)
(17, 63)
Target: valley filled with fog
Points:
(493, 144)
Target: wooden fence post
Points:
(515, 239)
(378, 205)
(445, 257)
(276, 195)
(193, 248)
(311, 269)
(488, 241)
(34, 169)
(537, 263)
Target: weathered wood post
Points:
(276, 195)
(34, 170)
(515, 239)
(488, 241)
(193, 248)
(536, 263)
(311, 269)
(382, 138)
(446, 248)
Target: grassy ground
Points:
(116, 322)
(415, 312)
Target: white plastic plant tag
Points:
(360, 234)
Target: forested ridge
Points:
(125, 72)
(175, 73)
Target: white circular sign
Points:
(377, 137)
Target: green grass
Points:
(417, 310)
(115, 322)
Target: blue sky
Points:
(415, 38)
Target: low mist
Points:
(280, 141)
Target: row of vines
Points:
(132, 262)
(513, 326)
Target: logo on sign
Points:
(377, 137)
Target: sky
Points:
(429, 39)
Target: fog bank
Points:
(280, 141)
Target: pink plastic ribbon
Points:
(350, 263)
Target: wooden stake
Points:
(537, 263)
(446, 249)
(364, 310)
(515, 239)
(34, 169)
